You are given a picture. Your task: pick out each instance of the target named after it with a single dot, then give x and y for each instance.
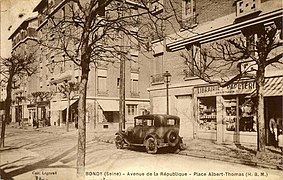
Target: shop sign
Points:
(237, 87)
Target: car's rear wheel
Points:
(119, 141)
(172, 138)
(151, 145)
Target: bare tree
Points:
(13, 69)
(95, 31)
(67, 89)
(221, 63)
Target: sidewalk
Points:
(242, 154)
(47, 129)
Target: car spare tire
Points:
(172, 138)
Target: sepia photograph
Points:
(141, 90)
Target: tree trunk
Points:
(7, 112)
(82, 113)
(67, 119)
(82, 127)
(260, 109)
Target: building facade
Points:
(208, 111)
(104, 78)
(24, 43)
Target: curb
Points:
(233, 160)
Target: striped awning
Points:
(273, 86)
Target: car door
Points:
(138, 132)
(147, 127)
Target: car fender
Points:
(151, 135)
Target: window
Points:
(118, 82)
(148, 122)
(188, 8)
(245, 7)
(102, 84)
(102, 81)
(207, 113)
(138, 122)
(189, 17)
(134, 84)
(171, 122)
(132, 109)
(194, 57)
(134, 62)
(251, 44)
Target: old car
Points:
(153, 131)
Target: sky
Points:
(13, 12)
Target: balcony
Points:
(157, 79)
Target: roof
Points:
(24, 23)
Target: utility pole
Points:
(122, 80)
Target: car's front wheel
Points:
(119, 141)
(151, 145)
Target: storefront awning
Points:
(273, 86)
(109, 105)
(60, 105)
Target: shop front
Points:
(227, 115)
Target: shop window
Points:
(108, 116)
(247, 116)
(230, 106)
(207, 113)
(247, 121)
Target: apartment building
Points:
(103, 83)
(23, 43)
(206, 110)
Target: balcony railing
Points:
(157, 79)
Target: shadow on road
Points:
(46, 163)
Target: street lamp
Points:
(167, 79)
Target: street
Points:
(31, 154)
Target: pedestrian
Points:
(274, 130)
(33, 123)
